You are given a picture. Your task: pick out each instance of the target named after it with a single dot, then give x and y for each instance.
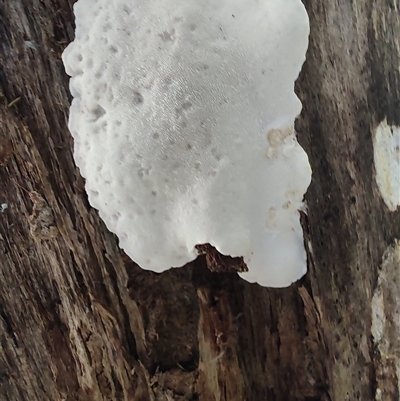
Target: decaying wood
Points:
(219, 263)
(80, 321)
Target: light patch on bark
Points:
(387, 163)
(41, 221)
(385, 328)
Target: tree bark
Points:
(80, 321)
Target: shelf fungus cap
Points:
(183, 125)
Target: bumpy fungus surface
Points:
(183, 121)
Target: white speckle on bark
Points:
(387, 163)
(378, 316)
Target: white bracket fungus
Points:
(387, 163)
(183, 120)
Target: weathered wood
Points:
(80, 321)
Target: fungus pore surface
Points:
(183, 125)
